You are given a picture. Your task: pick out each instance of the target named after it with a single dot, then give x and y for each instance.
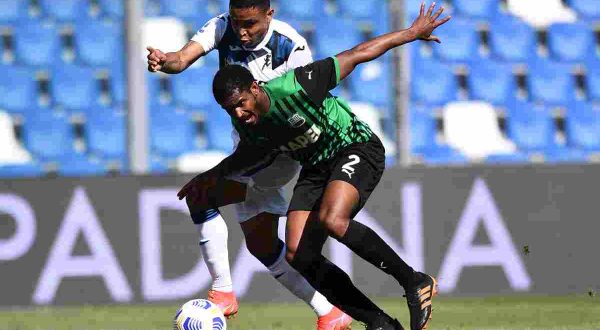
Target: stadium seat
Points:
(18, 88)
(372, 82)
(551, 82)
(460, 41)
(541, 13)
(586, 8)
(187, 9)
(433, 82)
(481, 9)
(105, 130)
(12, 10)
(218, 130)
(153, 88)
(65, 10)
(564, 155)
(33, 169)
(510, 158)
(530, 126)
(118, 85)
(442, 155)
(48, 134)
(98, 42)
(593, 80)
(578, 36)
(78, 165)
(193, 87)
(112, 8)
(512, 39)
(37, 43)
(360, 9)
(171, 131)
(335, 35)
(583, 126)
(491, 81)
(422, 128)
(151, 8)
(74, 87)
(307, 9)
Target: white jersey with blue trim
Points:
(281, 50)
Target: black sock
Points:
(337, 287)
(363, 241)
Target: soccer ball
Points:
(199, 314)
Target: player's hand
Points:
(424, 25)
(196, 191)
(156, 59)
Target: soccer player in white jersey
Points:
(248, 35)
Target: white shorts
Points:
(265, 188)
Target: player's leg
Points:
(305, 237)
(213, 234)
(344, 196)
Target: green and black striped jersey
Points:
(304, 120)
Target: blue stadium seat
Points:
(583, 126)
(422, 128)
(187, 9)
(433, 82)
(491, 81)
(78, 165)
(360, 9)
(593, 80)
(372, 82)
(530, 126)
(302, 9)
(218, 129)
(512, 158)
(335, 35)
(171, 131)
(481, 9)
(106, 132)
(37, 43)
(112, 8)
(33, 169)
(151, 8)
(13, 10)
(118, 84)
(551, 82)
(512, 39)
(587, 8)
(65, 10)
(443, 155)
(565, 155)
(193, 87)
(578, 36)
(74, 87)
(460, 41)
(98, 42)
(153, 88)
(18, 88)
(48, 134)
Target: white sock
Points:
(293, 281)
(213, 245)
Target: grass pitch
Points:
(518, 313)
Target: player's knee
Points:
(335, 224)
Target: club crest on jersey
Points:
(302, 141)
(296, 120)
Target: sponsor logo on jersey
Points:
(296, 120)
(302, 141)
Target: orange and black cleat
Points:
(226, 301)
(419, 299)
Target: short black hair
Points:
(262, 4)
(231, 79)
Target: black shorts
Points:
(359, 164)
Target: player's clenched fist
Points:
(156, 59)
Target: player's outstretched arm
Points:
(421, 29)
(174, 62)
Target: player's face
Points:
(250, 24)
(241, 105)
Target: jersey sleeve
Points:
(300, 56)
(318, 78)
(211, 33)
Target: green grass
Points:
(571, 313)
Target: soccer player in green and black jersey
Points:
(342, 162)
